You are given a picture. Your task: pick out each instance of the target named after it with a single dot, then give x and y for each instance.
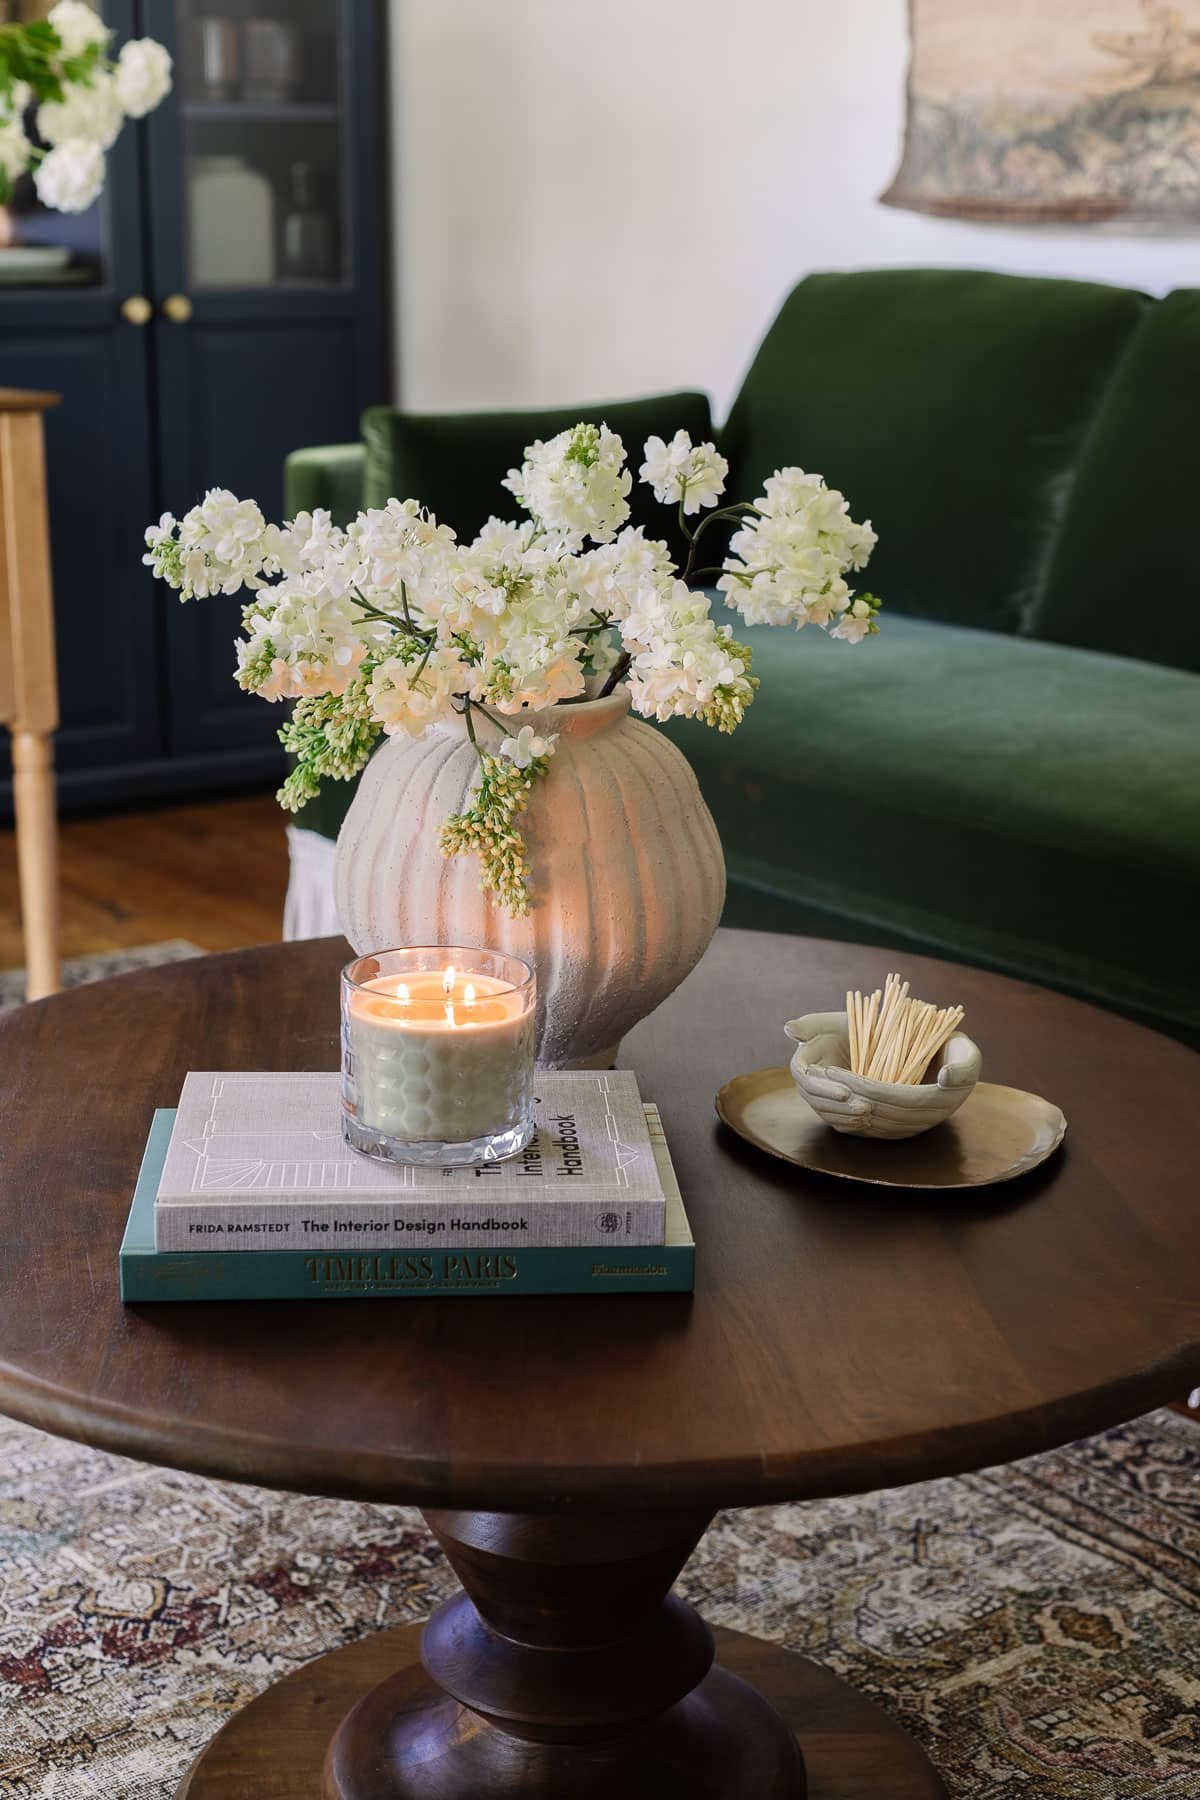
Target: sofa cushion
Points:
(949, 406)
(1002, 800)
(328, 475)
(1132, 518)
(454, 462)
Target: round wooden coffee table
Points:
(568, 1453)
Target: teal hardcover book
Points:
(150, 1274)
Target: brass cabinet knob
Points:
(178, 308)
(137, 310)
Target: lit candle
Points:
(437, 1055)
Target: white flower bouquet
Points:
(392, 625)
(84, 99)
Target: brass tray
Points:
(1000, 1132)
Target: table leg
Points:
(581, 1675)
(566, 1670)
(37, 860)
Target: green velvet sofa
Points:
(1010, 772)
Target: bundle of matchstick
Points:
(893, 1038)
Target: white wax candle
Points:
(440, 1055)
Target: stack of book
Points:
(249, 1191)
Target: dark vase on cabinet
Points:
(221, 305)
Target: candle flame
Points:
(448, 977)
(402, 993)
(469, 994)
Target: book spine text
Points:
(293, 1275)
(330, 1227)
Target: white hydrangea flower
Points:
(218, 547)
(397, 543)
(527, 746)
(143, 76)
(503, 540)
(302, 640)
(14, 148)
(227, 529)
(560, 676)
(91, 111)
(684, 473)
(648, 620)
(610, 578)
(533, 663)
(460, 595)
(577, 484)
(787, 565)
(161, 546)
(409, 697)
(684, 666)
(855, 622)
(70, 176)
(307, 539)
(513, 558)
(78, 26)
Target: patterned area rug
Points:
(1036, 1626)
(94, 968)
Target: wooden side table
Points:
(28, 680)
(568, 1451)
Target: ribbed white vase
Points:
(628, 879)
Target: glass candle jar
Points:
(437, 1055)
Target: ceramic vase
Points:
(628, 878)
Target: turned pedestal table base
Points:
(566, 1671)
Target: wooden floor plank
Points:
(214, 872)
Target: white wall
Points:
(598, 198)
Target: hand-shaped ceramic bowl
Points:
(879, 1109)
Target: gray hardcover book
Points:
(258, 1162)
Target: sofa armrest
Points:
(328, 475)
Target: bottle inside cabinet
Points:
(307, 237)
(232, 223)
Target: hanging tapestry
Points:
(1072, 110)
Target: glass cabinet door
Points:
(46, 249)
(262, 166)
(42, 248)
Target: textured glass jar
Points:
(437, 1055)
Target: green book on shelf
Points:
(150, 1274)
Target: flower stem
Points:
(373, 612)
(591, 630)
(726, 513)
(700, 574)
(489, 716)
(619, 670)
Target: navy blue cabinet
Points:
(250, 213)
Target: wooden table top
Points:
(840, 1338)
